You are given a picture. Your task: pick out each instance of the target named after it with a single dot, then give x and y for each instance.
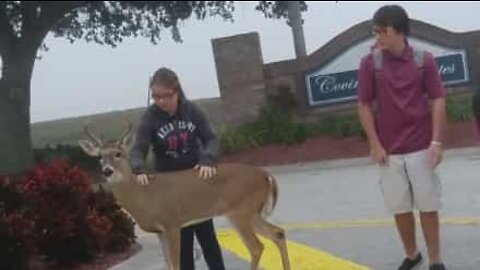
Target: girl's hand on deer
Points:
(142, 179)
(206, 172)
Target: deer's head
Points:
(113, 155)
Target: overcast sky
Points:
(81, 79)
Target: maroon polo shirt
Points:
(401, 92)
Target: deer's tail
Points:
(271, 201)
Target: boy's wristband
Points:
(436, 143)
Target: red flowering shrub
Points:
(72, 227)
(58, 192)
(17, 228)
(121, 233)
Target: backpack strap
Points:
(419, 56)
(377, 58)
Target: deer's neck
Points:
(128, 174)
(127, 193)
(131, 197)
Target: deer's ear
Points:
(89, 147)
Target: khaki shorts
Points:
(408, 182)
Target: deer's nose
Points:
(107, 172)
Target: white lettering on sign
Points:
(330, 84)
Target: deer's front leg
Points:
(172, 239)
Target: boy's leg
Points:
(186, 249)
(406, 229)
(427, 199)
(397, 194)
(212, 253)
(430, 227)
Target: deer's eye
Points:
(118, 155)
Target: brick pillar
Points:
(240, 75)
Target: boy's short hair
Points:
(394, 16)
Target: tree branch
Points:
(51, 13)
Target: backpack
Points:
(418, 56)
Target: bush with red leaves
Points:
(73, 224)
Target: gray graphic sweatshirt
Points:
(179, 142)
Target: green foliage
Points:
(277, 9)
(109, 22)
(277, 126)
(346, 125)
(476, 105)
(459, 108)
(236, 139)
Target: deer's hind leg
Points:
(243, 224)
(276, 235)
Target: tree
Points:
(295, 21)
(25, 24)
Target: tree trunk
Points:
(295, 21)
(16, 155)
(18, 50)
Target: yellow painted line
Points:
(466, 221)
(472, 221)
(339, 224)
(301, 256)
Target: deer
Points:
(245, 194)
